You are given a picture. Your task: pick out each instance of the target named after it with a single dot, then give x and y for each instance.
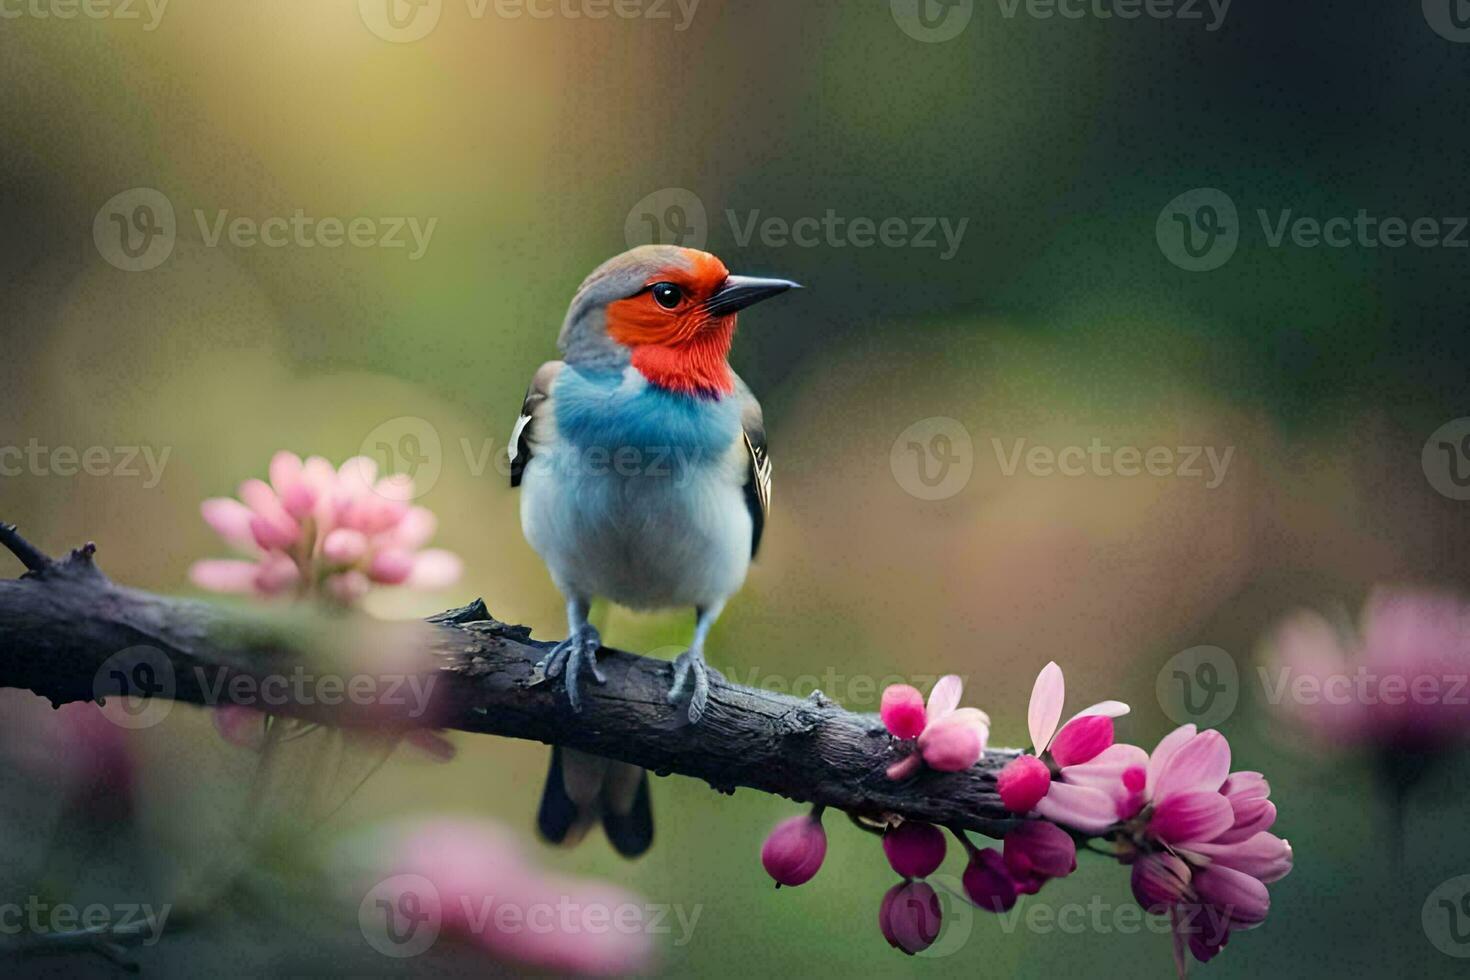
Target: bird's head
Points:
(668, 311)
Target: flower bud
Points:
(344, 546)
(794, 850)
(1038, 850)
(902, 711)
(910, 916)
(987, 882)
(1023, 783)
(952, 744)
(915, 849)
(1160, 881)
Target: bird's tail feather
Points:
(580, 788)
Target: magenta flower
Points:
(1399, 683)
(1075, 776)
(909, 916)
(946, 737)
(315, 531)
(794, 850)
(1199, 842)
(915, 849)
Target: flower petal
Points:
(1264, 856)
(944, 698)
(1045, 710)
(1164, 751)
(1243, 898)
(902, 710)
(1200, 765)
(1079, 807)
(230, 519)
(1184, 817)
(1081, 739)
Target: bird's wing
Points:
(529, 428)
(758, 473)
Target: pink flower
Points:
(75, 748)
(914, 849)
(1037, 851)
(949, 738)
(474, 876)
(909, 916)
(794, 850)
(1199, 842)
(1398, 683)
(315, 531)
(1074, 777)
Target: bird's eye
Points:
(667, 295)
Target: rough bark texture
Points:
(62, 621)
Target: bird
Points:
(645, 480)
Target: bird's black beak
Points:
(738, 292)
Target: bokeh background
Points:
(537, 145)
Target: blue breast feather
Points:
(611, 410)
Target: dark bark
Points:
(62, 621)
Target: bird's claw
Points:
(575, 655)
(690, 664)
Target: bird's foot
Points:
(575, 655)
(690, 666)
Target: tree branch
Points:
(62, 621)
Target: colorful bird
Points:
(645, 480)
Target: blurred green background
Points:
(535, 143)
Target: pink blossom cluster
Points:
(1196, 835)
(318, 531)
